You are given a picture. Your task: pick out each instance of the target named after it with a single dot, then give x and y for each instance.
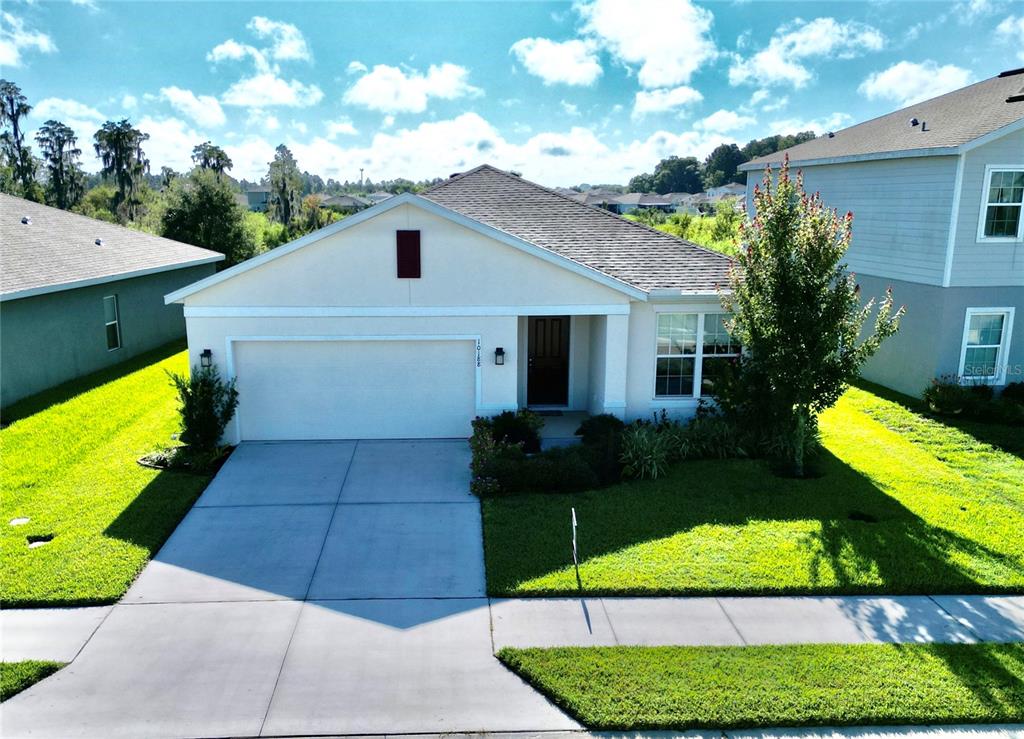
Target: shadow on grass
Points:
(866, 541)
(155, 512)
(61, 393)
(1008, 438)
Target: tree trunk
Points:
(799, 436)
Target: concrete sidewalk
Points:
(549, 622)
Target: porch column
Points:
(616, 351)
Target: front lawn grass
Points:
(634, 688)
(70, 467)
(16, 676)
(903, 504)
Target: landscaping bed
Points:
(642, 688)
(70, 468)
(902, 503)
(17, 676)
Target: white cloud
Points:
(571, 62)
(287, 42)
(663, 101)
(669, 39)
(231, 50)
(968, 11)
(129, 102)
(1011, 30)
(759, 96)
(389, 89)
(300, 127)
(783, 60)
(832, 122)
(357, 67)
(90, 4)
(340, 127)
(259, 118)
(724, 121)
(204, 110)
(570, 108)
(170, 143)
(778, 104)
(906, 82)
(267, 89)
(83, 119)
(16, 38)
(250, 157)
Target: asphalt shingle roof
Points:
(59, 248)
(634, 254)
(949, 120)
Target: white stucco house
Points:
(484, 293)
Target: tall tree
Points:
(677, 174)
(167, 176)
(119, 147)
(210, 156)
(641, 183)
(13, 108)
(65, 181)
(798, 315)
(201, 210)
(771, 144)
(720, 166)
(285, 186)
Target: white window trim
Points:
(1002, 355)
(668, 401)
(116, 322)
(982, 238)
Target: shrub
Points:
(1013, 393)
(711, 435)
(519, 427)
(947, 396)
(207, 403)
(645, 452)
(596, 429)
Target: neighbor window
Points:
(113, 322)
(693, 351)
(1004, 201)
(986, 344)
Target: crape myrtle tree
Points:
(798, 314)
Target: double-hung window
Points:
(986, 344)
(112, 318)
(693, 352)
(1002, 211)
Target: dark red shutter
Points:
(408, 254)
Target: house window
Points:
(693, 352)
(1001, 216)
(408, 254)
(112, 318)
(986, 344)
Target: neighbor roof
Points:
(57, 250)
(945, 123)
(637, 255)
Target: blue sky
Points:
(589, 91)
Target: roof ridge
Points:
(508, 175)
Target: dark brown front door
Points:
(547, 376)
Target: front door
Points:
(547, 376)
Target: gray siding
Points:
(929, 342)
(901, 212)
(985, 263)
(49, 339)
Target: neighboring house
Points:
(379, 197)
(348, 203)
(482, 294)
(79, 295)
(729, 189)
(258, 198)
(632, 201)
(937, 192)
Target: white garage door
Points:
(394, 389)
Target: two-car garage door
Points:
(355, 389)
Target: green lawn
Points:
(69, 465)
(16, 676)
(634, 688)
(904, 504)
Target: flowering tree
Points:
(798, 313)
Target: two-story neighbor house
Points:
(937, 194)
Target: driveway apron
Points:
(314, 588)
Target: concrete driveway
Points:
(315, 588)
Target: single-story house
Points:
(379, 197)
(350, 203)
(78, 295)
(728, 190)
(258, 198)
(482, 294)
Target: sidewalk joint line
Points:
(732, 623)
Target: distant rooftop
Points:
(44, 249)
(936, 126)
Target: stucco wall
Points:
(929, 342)
(49, 339)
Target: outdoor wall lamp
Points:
(206, 358)
(499, 356)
